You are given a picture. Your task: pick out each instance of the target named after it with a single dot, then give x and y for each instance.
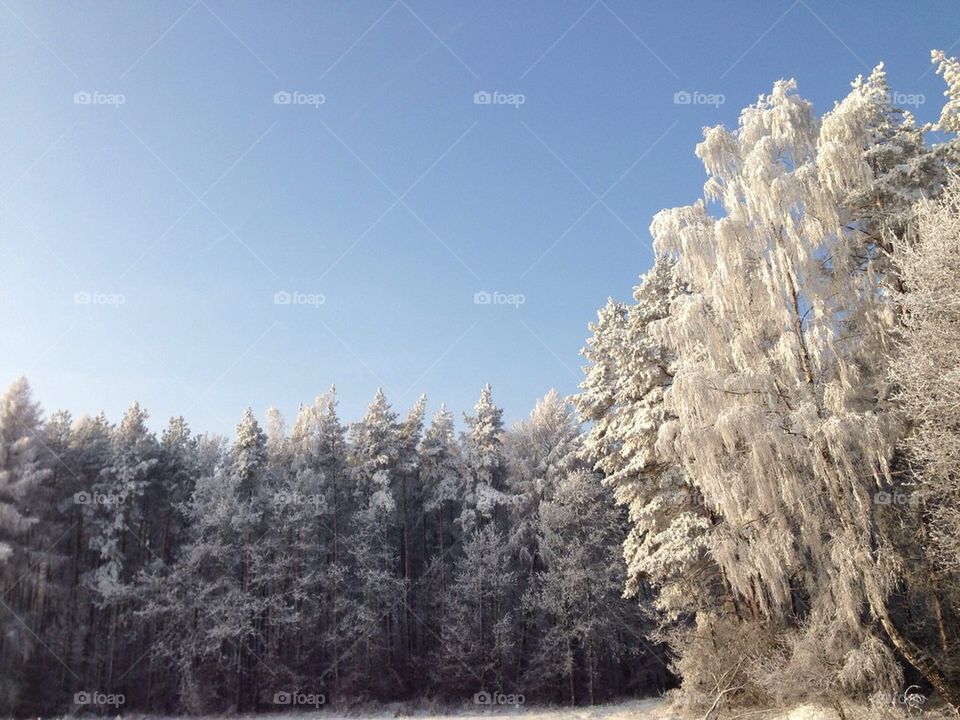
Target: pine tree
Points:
(477, 641)
(23, 469)
(121, 535)
(220, 589)
(407, 491)
(443, 483)
(84, 449)
(486, 496)
(541, 451)
(622, 396)
(375, 573)
(587, 628)
(329, 457)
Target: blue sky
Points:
(147, 225)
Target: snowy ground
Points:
(631, 710)
(651, 709)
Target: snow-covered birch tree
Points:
(927, 372)
(779, 401)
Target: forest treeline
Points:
(315, 565)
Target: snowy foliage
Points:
(927, 367)
(23, 468)
(755, 370)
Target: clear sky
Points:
(148, 222)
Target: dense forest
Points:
(755, 494)
(381, 561)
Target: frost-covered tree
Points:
(541, 451)
(407, 491)
(376, 581)
(586, 627)
(84, 448)
(484, 460)
(880, 164)
(122, 533)
(477, 639)
(565, 538)
(219, 591)
(442, 482)
(147, 681)
(622, 396)
(179, 466)
(305, 509)
(22, 470)
(24, 467)
(779, 408)
(927, 366)
(327, 454)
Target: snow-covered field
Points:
(649, 709)
(652, 709)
